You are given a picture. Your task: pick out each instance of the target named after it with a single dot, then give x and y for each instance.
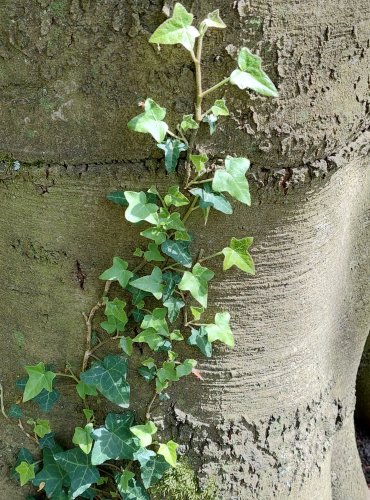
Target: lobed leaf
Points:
(232, 180)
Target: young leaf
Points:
(41, 428)
(139, 209)
(84, 390)
(150, 337)
(125, 480)
(144, 433)
(200, 339)
(219, 108)
(172, 149)
(196, 282)
(117, 197)
(177, 29)
(185, 368)
(208, 198)
(213, 20)
(150, 122)
(38, 379)
(153, 254)
(170, 220)
(78, 466)
(232, 180)
(157, 321)
(168, 451)
(237, 255)
(175, 197)
(188, 123)
(118, 272)
(155, 233)
(196, 312)
(211, 119)
(251, 75)
(26, 472)
(168, 372)
(82, 438)
(199, 162)
(52, 475)
(109, 377)
(178, 251)
(116, 315)
(152, 283)
(221, 330)
(153, 470)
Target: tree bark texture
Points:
(273, 418)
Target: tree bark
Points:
(274, 417)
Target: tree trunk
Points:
(273, 418)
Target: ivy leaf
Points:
(153, 470)
(211, 119)
(152, 283)
(150, 122)
(144, 433)
(114, 441)
(233, 180)
(196, 282)
(188, 123)
(177, 29)
(26, 472)
(172, 149)
(182, 235)
(148, 372)
(124, 481)
(150, 337)
(221, 330)
(208, 198)
(118, 272)
(117, 197)
(170, 220)
(168, 372)
(84, 390)
(178, 251)
(82, 438)
(38, 379)
(131, 489)
(80, 470)
(143, 455)
(185, 368)
(251, 75)
(175, 197)
(155, 233)
(171, 280)
(153, 254)
(116, 315)
(138, 296)
(168, 451)
(52, 475)
(176, 335)
(157, 321)
(196, 312)
(48, 441)
(15, 411)
(237, 255)
(125, 344)
(46, 400)
(139, 209)
(200, 339)
(174, 306)
(199, 162)
(41, 428)
(109, 377)
(213, 20)
(219, 108)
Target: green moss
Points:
(182, 484)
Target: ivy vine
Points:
(161, 304)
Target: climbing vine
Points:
(161, 303)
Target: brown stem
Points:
(149, 408)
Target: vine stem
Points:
(190, 209)
(2, 402)
(58, 374)
(150, 405)
(215, 87)
(192, 183)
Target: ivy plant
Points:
(161, 303)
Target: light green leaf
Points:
(41, 427)
(116, 315)
(176, 335)
(196, 282)
(125, 344)
(150, 337)
(185, 368)
(178, 251)
(221, 330)
(118, 272)
(150, 122)
(175, 197)
(152, 283)
(208, 198)
(155, 233)
(200, 339)
(26, 472)
(84, 390)
(232, 180)
(251, 75)
(125, 480)
(145, 433)
(157, 320)
(138, 252)
(213, 20)
(168, 372)
(196, 312)
(139, 209)
(182, 235)
(153, 470)
(38, 379)
(172, 149)
(153, 254)
(170, 220)
(188, 123)
(219, 108)
(82, 438)
(199, 162)
(177, 29)
(168, 451)
(237, 255)
(174, 306)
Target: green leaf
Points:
(232, 180)
(152, 283)
(175, 197)
(171, 280)
(116, 315)
(177, 29)
(15, 411)
(124, 480)
(200, 339)
(139, 209)
(109, 377)
(46, 400)
(199, 162)
(26, 472)
(118, 197)
(251, 75)
(82, 438)
(41, 428)
(138, 296)
(157, 321)
(221, 330)
(144, 433)
(150, 122)
(143, 455)
(174, 306)
(172, 149)
(89, 414)
(219, 108)
(237, 255)
(196, 312)
(168, 451)
(38, 379)
(78, 466)
(114, 441)
(84, 390)
(185, 368)
(213, 20)
(153, 470)
(170, 220)
(188, 123)
(182, 235)
(153, 254)
(118, 272)
(208, 198)
(138, 252)
(125, 344)
(131, 489)
(176, 335)
(211, 119)
(150, 337)
(147, 373)
(196, 282)
(155, 233)
(168, 372)
(178, 251)
(52, 475)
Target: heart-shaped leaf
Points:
(232, 180)
(196, 282)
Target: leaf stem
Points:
(174, 135)
(215, 87)
(190, 209)
(59, 374)
(191, 183)
(210, 257)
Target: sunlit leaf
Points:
(219, 108)
(209, 198)
(118, 272)
(144, 433)
(237, 255)
(199, 338)
(232, 180)
(26, 472)
(175, 197)
(82, 438)
(199, 162)
(151, 121)
(38, 379)
(168, 451)
(188, 123)
(196, 282)
(139, 209)
(152, 283)
(221, 330)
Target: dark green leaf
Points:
(15, 411)
(135, 490)
(208, 198)
(200, 339)
(153, 470)
(174, 306)
(118, 197)
(172, 149)
(46, 400)
(171, 280)
(148, 374)
(178, 251)
(52, 475)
